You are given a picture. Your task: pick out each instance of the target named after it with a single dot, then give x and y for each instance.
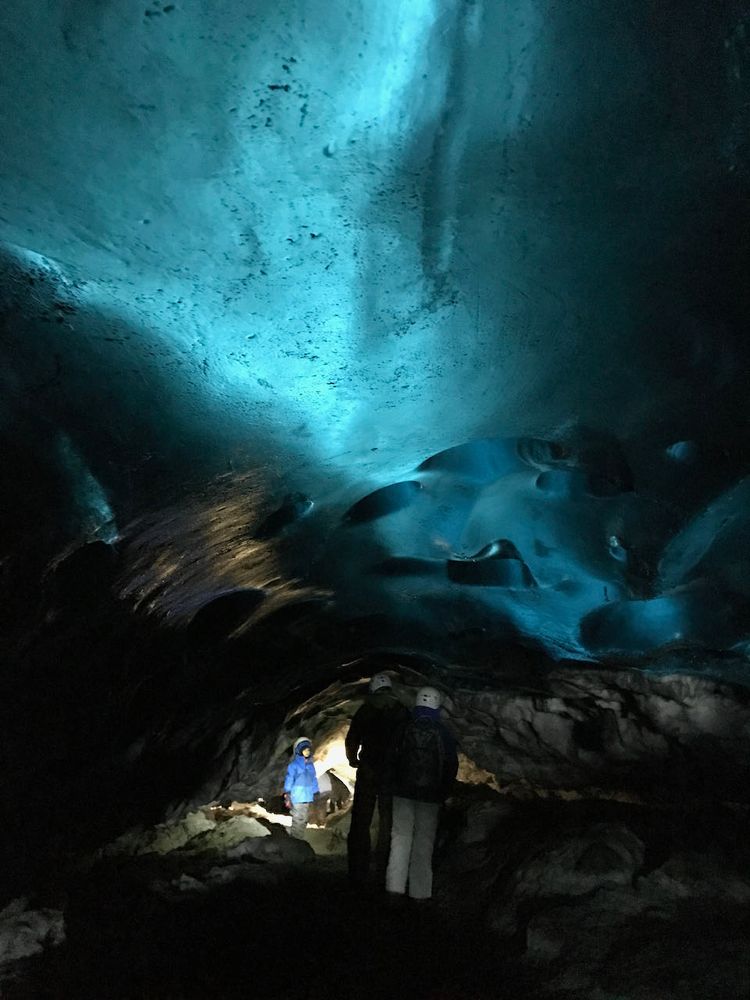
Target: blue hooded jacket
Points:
(301, 780)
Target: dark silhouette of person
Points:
(367, 746)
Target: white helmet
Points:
(380, 681)
(428, 698)
(298, 743)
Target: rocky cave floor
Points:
(569, 899)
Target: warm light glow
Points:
(330, 755)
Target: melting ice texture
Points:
(336, 260)
(544, 542)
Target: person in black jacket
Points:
(367, 743)
(423, 763)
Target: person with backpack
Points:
(370, 735)
(300, 786)
(423, 764)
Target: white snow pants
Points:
(412, 841)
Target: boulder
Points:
(25, 932)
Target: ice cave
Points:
(344, 338)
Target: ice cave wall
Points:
(325, 242)
(340, 329)
(394, 227)
(344, 327)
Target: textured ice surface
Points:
(474, 273)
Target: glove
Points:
(287, 801)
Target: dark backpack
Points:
(421, 759)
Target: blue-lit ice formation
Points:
(476, 529)
(468, 544)
(438, 287)
(96, 520)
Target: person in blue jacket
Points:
(301, 785)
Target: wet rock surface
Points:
(571, 900)
(25, 931)
(273, 930)
(606, 900)
(655, 735)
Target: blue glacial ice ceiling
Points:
(431, 314)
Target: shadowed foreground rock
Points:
(589, 900)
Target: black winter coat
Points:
(372, 729)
